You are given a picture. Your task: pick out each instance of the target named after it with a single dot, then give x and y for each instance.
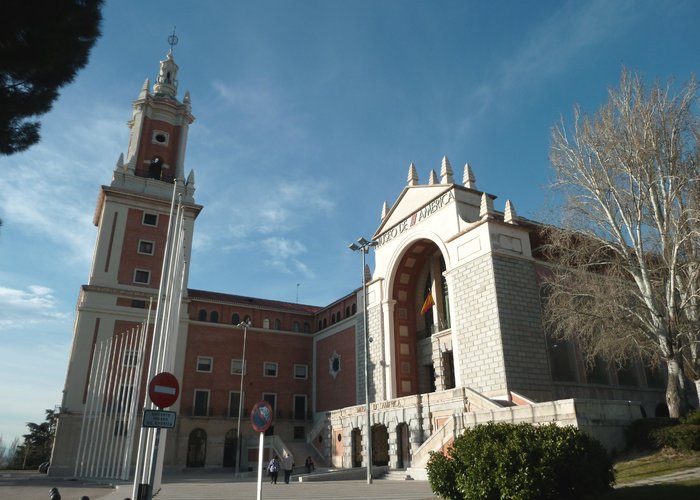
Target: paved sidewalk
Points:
(381, 489)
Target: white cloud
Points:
(33, 306)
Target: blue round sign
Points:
(261, 416)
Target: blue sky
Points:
(308, 114)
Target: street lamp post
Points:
(245, 325)
(362, 245)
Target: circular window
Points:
(334, 364)
(340, 437)
(160, 138)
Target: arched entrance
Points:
(230, 449)
(380, 445)
(403, 458)
(421, 310)
(197, 448)
(356, 442)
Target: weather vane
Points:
(172, 39)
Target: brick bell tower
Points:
(132, 218)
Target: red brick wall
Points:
(224, 343)
(338, 392)
(130, 258)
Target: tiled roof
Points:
(252, 301)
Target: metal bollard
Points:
(54, 494)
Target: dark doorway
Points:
(230, 449)
(403, 459)
(197, 448)
(380, 445)
(356, 448)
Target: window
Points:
(334, 364)
(354, 308)
(325, 322)
(214, 317)
(130, 358)
(202, 315)
(561, 360)
(278, 324)
(201, 403)
(271, 398)
(234, 400)
(150, 219)
(301, 371)
(247, 319)
(332, 318)
(269, 369)
(347, 312)
(235, 319)
(146, 247)
(204, 364)
(142, 276)
(237, 367)
(307, 327)
(160, 137)
(266, 324)
(295, 326)
(140, 304)
(299, 406)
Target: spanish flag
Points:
(429, 302)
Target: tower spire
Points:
(166, 83)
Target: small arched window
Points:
(235, 319)
(354, 308)
(307, 327)
(247, 319)
(347, 312)
(278, 324)
(266, 324)
(295, 326)
(202, 315)
(214, 317)
(325, 322)
(332, 318)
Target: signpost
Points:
(163, 389)
(261, 419)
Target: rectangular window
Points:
(301, 371)
(150, 219)
(271, 398)
(130, 358)
(234, 400)
(146, 247)
(141, 276)
(140, 304)
(237, 367)
(204, 364)
(300, 406)
(269, 369)
(201, 403)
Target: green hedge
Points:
(639, 434)
(683, 437)
(521, 462)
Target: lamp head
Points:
(354, 247)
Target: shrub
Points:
(692, 418)
(638, 436)
(521, 462)
(683, 437)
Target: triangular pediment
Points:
(411, 199)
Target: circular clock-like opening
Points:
(160, 137)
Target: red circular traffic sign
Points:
(164, 390)
(261, 416)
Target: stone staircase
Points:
(396, 475)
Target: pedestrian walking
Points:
(273, 469)
(287, 465)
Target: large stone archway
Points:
(420, 294)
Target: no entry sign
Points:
(164, 390)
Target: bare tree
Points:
(624, 278)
